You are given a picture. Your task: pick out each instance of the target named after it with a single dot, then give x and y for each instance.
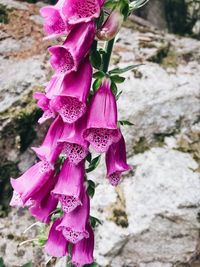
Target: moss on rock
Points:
(16, 134)
(3, 14)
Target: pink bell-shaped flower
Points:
(77, 11)
(69, 96)
(111, 26)
(67, 57)
(56, 245)
(102, 128)
(75, 147)
(43, 203)
(44, 103)
(116, 161)
(30, 182)
(55, 23)
(82, 252)
(73, 224)
(50, 148)
(70, 185)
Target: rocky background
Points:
(152, 218)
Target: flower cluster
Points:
(80, 120)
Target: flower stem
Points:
(107, 55)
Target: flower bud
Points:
(111, 26)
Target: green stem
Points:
(94, 45)
(107, 55)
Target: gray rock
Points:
(9, 45)
(161, 100)
(162, 201)
(19, 77)
(196, 28)
(12, 250)
(37, 19)
(12, 4)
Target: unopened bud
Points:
(111, 26)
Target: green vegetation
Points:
(16, 136)
(182, 15)
(3, 14)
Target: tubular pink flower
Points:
(69, 188)
(82, 252)
(102, 128)
(67, 57)
(50, 148)
(30, 182)
(70, 98)
(43, 103)
(53, 86)
(77, 11)
(43, 203)
(73, 224)
(75, 146)
(116, 161)
(111, 26)
(55, 23)
(56, 245)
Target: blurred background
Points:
(152, 218)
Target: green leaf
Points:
(123, 123)
(98, 75)
(91, 191)
(41, 240)
(28, 264)
(89, 157)
(2, 263)
(91, 265)
(117, 79)
(125, 10)
(93, 164)
(118, 95)
(95, 58)
(91, 183)
(120, 71)
(96, 85)
(110, 4)
(114, 88)
(94, 221)
(56, 214)
(100, 20)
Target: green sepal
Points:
(118, 95)
(96, 84)
(117, 79)
(114, 88)
(98, 75)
